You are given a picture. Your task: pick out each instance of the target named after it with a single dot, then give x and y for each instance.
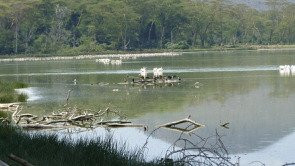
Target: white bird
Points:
(143, 72)
(155, 71)
(285, 70)
(281, 68)
(292, 68)
(104, 61)
(160, 72)
(75, 81)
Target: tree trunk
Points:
(28, 38)
(171, 36)
(162, 37)
(203, 38)
(150, 31)
(16, 29)
(194, 39)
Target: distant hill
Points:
(257, 4)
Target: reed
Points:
(8, 93)
(49, 150)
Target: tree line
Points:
(84, 26)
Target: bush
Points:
(179, 45)
(6, 98)
(22, 97)
(44, 149)
(88, 45)
(8, 94)
(17, 85)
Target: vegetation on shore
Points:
(8, 93)
(82, 27)
(49, 150)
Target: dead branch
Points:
(173, 125)
(19, 160)
(287, 164)
(68, 97)
(3, 163)
(38, 126)
(119, 125)
(111, 122)
(170, 124)
(83, 117)
(58, 121)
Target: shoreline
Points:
(80, 57)
(147, 53)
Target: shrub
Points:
(22, 97)
(6, 98)
(178, 45)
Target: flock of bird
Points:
(287, 70)
(109, 61)
(121, 56)
(158, 76)
(158, 72)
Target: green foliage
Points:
(179, 45)
(22, 97)
(76, 27)
(8, 94)
(6, 98)
(18, 85)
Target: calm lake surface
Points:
(243, 88)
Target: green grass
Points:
(8, 94)
(48, 150)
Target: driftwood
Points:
(112, 122)
(68, 97)
(225, 125)
(287, 164)
(9, 105)
(38, 126)
(71, 117)
(118, 125)
(2, 163)
(58, 121)
(83, 117)
(19, 160)
(192, 125)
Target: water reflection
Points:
(241, 88)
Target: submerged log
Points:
(186, 120)
(192, 125)
(119, 125)
(112, 122)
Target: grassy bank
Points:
(8, 93)
(48, 150)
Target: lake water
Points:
(243, 88)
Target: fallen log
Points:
(38, 126)
(112, 122)
(14, 115)
(186, 120)
(29, 117)
(83, 117)
(192, 125)
(119, 125)
(19, 160)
